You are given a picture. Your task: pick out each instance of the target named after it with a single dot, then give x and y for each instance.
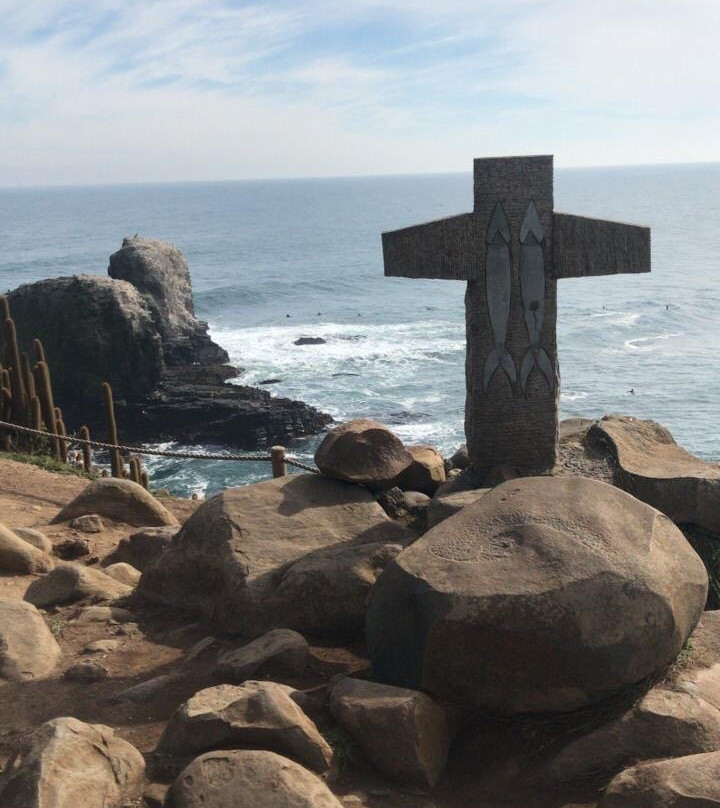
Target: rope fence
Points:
(278, 457)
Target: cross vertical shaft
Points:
(504, 424)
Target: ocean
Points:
(275, 260)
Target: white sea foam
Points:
(647, 344)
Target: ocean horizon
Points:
(260, 250)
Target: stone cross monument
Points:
(511, 250)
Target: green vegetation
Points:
(57, 627)
(344, 749)
(45, 462)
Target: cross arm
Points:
(445, 248)
(583, 247)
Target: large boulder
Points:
(685, 782)
(35, 537)
(122, 500)
(125, 573)
(256, 715)
(665, 723)
(461, 458)
(324, 593)
(425, 473)
(280, 652)
(70, 582)
(140, 548)
(363, 451)
(652, 467)
(27, 647)
(234, 559)
(545, 595)
(108, 323)
(405, 734)
(160, 273)
(67, 764)
(19, 556)
(248, 779)
(440, 508)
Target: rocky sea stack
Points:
(137, 330)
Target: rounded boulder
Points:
(248, 779)
(362, 451)
(122, 500)
(547, 594)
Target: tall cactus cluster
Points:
(26, 399)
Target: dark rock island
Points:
(138, 331)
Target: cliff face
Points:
(94, 329)
(137, 330)
(161, 274)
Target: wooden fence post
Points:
(279, 468)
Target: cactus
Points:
(5, 402)
(135, 469)
(4, 308)
(61, 431)
(116, 461)
(5, 379)
(45, 394)
(12, 358)
(27, 375)
(145, 480)
(5, 408)
(39, 351)
(86, 450)
(36, 421)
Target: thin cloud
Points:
(160, 89)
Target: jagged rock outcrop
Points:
(160, 273)
(93, 329)
(137, 330)
(193, 405)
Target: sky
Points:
(101, 91)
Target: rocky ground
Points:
(160, 661)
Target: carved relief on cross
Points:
(511, 250)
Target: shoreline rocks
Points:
(137, 330)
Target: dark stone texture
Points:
(93, 329)
(137, 330)
(310, 341)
